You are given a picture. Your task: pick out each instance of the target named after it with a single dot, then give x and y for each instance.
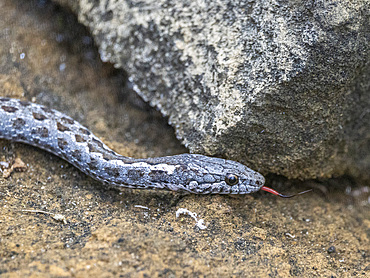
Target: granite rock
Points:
(282, 86)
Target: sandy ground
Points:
(86, 229)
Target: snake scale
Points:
(55, 132)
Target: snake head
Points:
(210, 175)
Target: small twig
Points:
(57, 217)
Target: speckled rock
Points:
(281, 86)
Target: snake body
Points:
(55, 132)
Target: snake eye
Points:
(231, 179)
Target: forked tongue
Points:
(265, 188)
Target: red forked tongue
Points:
(265, 188)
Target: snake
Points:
(59, 134)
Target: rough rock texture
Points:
(280, 85)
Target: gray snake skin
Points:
(48, 129)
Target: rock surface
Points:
(281, 86)
(45, 56)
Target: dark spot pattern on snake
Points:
(77, 154)
(42, 131)
(114, 172)
(9, 109)
(59, 134)
(62, 128)
(18, 123)
(38, 116)
(79, 138)
(62, 144)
